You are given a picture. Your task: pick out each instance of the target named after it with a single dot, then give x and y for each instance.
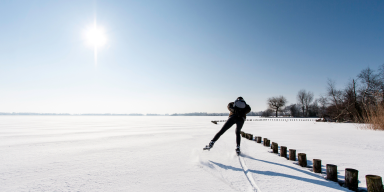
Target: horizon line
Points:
(120, 114)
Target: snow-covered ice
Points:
(104, 153)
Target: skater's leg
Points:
(225, 127)
(239, 125)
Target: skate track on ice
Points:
(248, 174)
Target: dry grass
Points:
(375, 118)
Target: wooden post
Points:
(302, 159)
(250, 137)
(374, 183)
(331, 172)
(283, 151)
(258, 140)
(268, 143)
(275, 147)
(265, 141)
(317, 165)
(272, 145)
(351, 179)
(292, 154)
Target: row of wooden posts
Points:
(374, 182)
(267, 119)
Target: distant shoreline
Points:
(112, 114)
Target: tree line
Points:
(361, 99)
(306, 106)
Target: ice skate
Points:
(209, 146)
(238, 150)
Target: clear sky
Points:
(180, 56)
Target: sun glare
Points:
(96, 36)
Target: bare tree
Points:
(267, 113)
(359, 101)
(381, 72)
(285, 111)
(335, 98)
(314, 109)
(307, 101)
(323, 101)
(301, 99)
(370, 86)
(381, 79)
(276, 103)
(304, 99)
(350, 105)
(293, 110)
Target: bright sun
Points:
(96, 36)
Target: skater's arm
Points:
(230, 107)
(247, 109)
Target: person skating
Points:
(238, 111)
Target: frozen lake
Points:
(124, 153)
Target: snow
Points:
(125, 153)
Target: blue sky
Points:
(180, 56)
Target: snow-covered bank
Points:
(42, 153)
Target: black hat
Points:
(240, 103)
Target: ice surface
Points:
(103, 153)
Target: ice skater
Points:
(238, 111)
